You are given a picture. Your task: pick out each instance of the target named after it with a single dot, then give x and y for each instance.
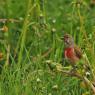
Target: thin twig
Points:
(9, 20)
(89, 84)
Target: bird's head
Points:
(68, 40)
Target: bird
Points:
(73, 53)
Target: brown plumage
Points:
(78, 52)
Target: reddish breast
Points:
(69, 52)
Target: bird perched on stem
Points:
(74, 54)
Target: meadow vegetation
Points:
(30, 32)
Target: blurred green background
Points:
(39, 26)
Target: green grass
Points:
(41, 24)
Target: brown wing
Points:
(78, 52)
